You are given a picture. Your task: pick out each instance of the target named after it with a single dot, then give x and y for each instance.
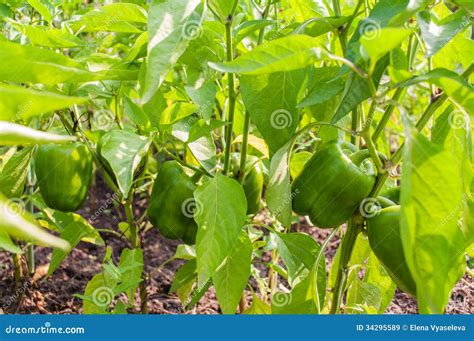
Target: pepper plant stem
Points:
(232, 95)
(347, 245)
(245, 137)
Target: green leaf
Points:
(7, 244)
(357, 90)
(301, 10)
(299, 251)
(258, 307)
(48, 37)
(326, 86)
(177, 111)
(363, 297)
(315, 27)
(74, 228)
(437, 35)
(12, 134)
(220, 216)
(304, 298)
(43, 7)
(271, 100)
(222, 7)
(184, 280)
(17, 102)
(383, 42)
(124, 151)
(281, 55)
(279, 196)
(28, 64)
(245, 29)
(232, 276)
(455, 86)
(171, 26)
(203, 150)
(131, 268)
(21, 225)
(203, 96)
(118, 17)
(14, 173)
(99, 294)
(379, 277)
(431, 198)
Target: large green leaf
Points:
(432, 201)
(171, 26)
(232, 276)
(285, 54)
(437, 35)
(21, 225)
(118, 17)
(17, 102)
(124, 151)
(131, 268)
(220, 215)
(279, 196)
(271, 100)
(455, 86)
(299, 251)
(12, 134)
(383, 42)
(28, 64)
(14, 173)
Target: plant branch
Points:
(354, 227)
(232, 95)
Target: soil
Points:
(56, 294)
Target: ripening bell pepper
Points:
(383, 230)
(253, 182)
(172, 204)
(63, 173)
(333, 183)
